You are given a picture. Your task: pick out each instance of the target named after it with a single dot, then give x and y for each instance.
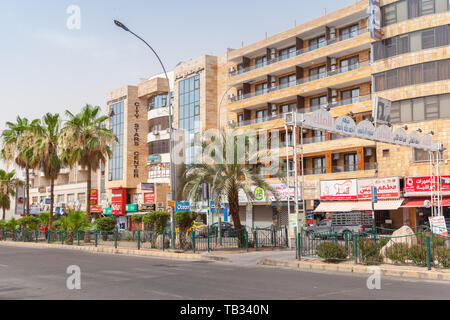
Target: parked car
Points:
(345, 222)
(227, 229)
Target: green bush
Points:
(435, 239)
(331, 251)
(137, 218)
(184, 220)
(30, 223)
(382, 242)
(443, 257)
(157, 220)
(398, 252)
(44, 217)
(12, 224)
(369, 251)
(105, 224)
(418, 254)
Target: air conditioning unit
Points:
(336, 156)
(274, 107)
(273, 53)
(155, 131)
(232, 97)
(231, 70)
(332, 33)
(333, 61)
(334, 93)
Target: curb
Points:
(134, 252)
(320, 267)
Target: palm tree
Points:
(18, 144)
(85, 141)
(226, 177)
(46, 150)
(8, 185)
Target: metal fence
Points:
(423, 248)
(201, 240)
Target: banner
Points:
(338, 190)
(118, 201)
(438, 226)
(388, 188)
(149, 198)
(94, 197)
(20, 200)
(375, 20)
(421, 186)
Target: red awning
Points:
(420, 202)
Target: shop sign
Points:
(421, 186)
(94, 197)
(338, 190)
(118, 201)
(293, 223)
(47, 201)
(438, 225)
(345, 125)
(182, 206)
(96, 209)
(148, 207)
(154, 158)
(148, 186)
(108, 212)
(149, 198)
(131, 207)
(20, 200)
(35, 209)
(284, 193)
(388, 188)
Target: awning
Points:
(420, 202)
(347, 206)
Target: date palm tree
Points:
(85, 141)
(46, 152)
(227, 177)
(8, 185)
(18, 142)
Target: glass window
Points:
(319, 165)
(429, 72)
(444, 106)
(413, 8)
(389, 14)
(403, 44)
(392, 79)
(316, 103)
(426, 7)
(421, 155)
(350, 162)
(288, 81)
(261, 88)
(349, 64)
(428, 39)
(260, 62)
(288, 107)
(261, 115)
(349, 32)
(317, 43)
(317, 73)
(391, 47)
(416, 74)
(441, 34)
(405, 111)
(443, 69)
(380, 82)
(350, 96)
(431, 108)
(287, 53)
(418, 109)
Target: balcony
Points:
(298, 53)
(328, 74)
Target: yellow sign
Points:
(259, 194)
(171, 203)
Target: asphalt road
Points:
(27, 273)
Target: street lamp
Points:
(172, 164)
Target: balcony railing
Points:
(346, 168)
(303, 81)
(297, 53)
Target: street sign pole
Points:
(374, 194)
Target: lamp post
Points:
(172, 142)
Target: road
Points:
(31, 273)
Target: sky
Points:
(45, 66)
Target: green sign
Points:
(132, 208)
(108, 212)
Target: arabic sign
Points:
(375, 20)
(182, 206)
(438, 225)
(338, 190)
(148, 186)
(388, 188)
(94, 197)
(421, 186)
(96, 209)
(149, 198)
(118, 201)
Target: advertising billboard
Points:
(421, 186)
(118, 201)
(388, 188)
(339, 190)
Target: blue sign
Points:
(48, 200)
(310, 215)
(223, 209)
(57, 210)
(375, 20)
(182, 206)
(374, 192)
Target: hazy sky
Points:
(45, 67)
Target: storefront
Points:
(354, 195)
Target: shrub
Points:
(44, 217)
(435, 239)
(443, 257)
(369, 251)
(105, 224)
(185, 220)
(331, 251)
(418, 254)
(398, 252)
(137, 218)
(30, 223)
(160, 220)
(382, 242)
(12, 224)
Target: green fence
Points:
(423, 249)
(195, 241)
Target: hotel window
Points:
(410, 9)
(260, 62)
(350, 96)
(288, 81)
(116, 125)
(350, 162)
(316, 43)
(317, 73)
(319, 165)
(287, 53)
(288, 107)
(349, 64)
(316, 103)
(421, 109)
(349, 32)
(261, 89)
(158, 101)
(158, 147)
(261, 115)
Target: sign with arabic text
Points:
(388, 188)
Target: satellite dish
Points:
(427, 204)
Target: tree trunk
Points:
(233, 201)
(27, 175)
(88, 203)
(4, 214)
(52, 199)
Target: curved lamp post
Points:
(172, 164)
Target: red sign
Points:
(149, 198)
(94, 197)
(338, 190)
(118, 201)
(96, 209)
(388, 188)
(421, 186)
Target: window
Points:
(318, 136)
(158, 147)
(421, 109)
(116, 125)
(319, 165)
(288, 81)
(349, 64)
(316, 103)
(428, 39)
(421, 155)
(429, 72)
(350, 96)
(287, 53)
(158, 101)
(260, 62)
(380, 82)
(403, 44)
(426, 7)
(317, 73)
(349, 32)
(392, 79)
(240, 118)
(410, 9)
(389, 14)
(391, 47)
(261, 115)
(261, 89)
(288, 107)
(403, 76)
(350, 162)
(317, 43)
(385, 153)
(443, 70)
(283, 139)
(441, 34)
(71, 198)
(240, 94)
